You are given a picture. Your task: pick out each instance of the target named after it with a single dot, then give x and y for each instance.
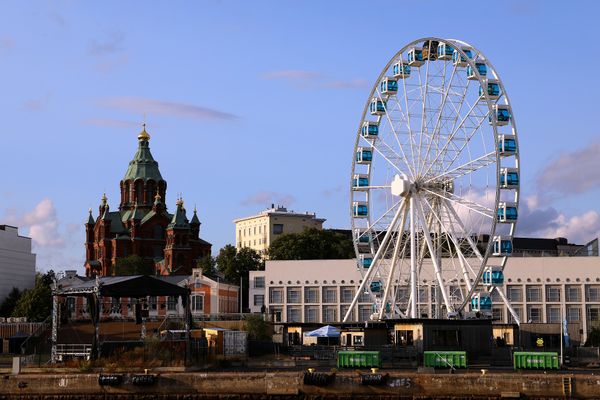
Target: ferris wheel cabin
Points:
(481, 68)
(388, 86)
(502, 246)
(509, 178)
(366, 260)
(375, 286)
(369, 130)
(493, 89)
(430, 50)
(360, 182)
(445, 51)
(500, 114)
(507, 212)
(493, 276)
(364, 155)
(481, 302)
(360, 209)
(415, 57)
(401, 70)
(458, 59)
(363, 238)
(377, 106)
(507, 145)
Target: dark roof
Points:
(143, 166)
(128, 286)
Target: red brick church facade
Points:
(142, 225)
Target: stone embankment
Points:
(286, 384)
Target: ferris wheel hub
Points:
(401, 186)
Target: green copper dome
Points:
(143, 166)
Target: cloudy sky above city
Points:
(253, 103)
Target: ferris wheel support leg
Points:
(390, 280)
(432, 253)
(376, 258)
(508, 305)
(413, 261)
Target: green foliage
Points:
(312, 244)
(208, 265)
(134, 265)
(36, 303)
(593, 338)
(257, 327)
(9, 304)
(235, 264)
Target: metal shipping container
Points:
(353, 359)
(535, 360)
(235, 342)
(445, 359)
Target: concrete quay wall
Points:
(284, 384)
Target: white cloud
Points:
(310, 79)
(42, 223)
(140, 106)
(572, 172)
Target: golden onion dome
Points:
(143, 134)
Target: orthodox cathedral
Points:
(142, 225)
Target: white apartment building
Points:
(258, 231)
(541, 289)
(17, 262)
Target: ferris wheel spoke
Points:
(439, 117)
(467, 168)
(459, 222)
(432, 253)
(399, 203)
(470, 205)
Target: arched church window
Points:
(139, 191)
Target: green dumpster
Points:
(445, 359)
(358, 359)
(535, 360)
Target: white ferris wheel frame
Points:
(411, 207)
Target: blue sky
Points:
(257, 102)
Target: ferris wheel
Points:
(434, 188)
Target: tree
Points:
(256, 327)
(593, 338)
(134, 265)
(312, 244)
(36, 303)
(208, 265)
(234, 265)
(9, 304)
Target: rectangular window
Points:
(275, 295)
(276, 314)
(197, 303)
(422, 295)
(592, 293)
(311, 294)
(534, 314)
(357, 340)
(330, 314)
(497, 313)
(171, 303)
(573, 293)
(552, 314)
(346, 294)
(519, 312)
(311, 314)
(404, 338)
(364, 313)
(255, 230)
(402, 294)
(152, 302)
(446, 337)
(573, 314)
(259, 229)
(515, 293)
(553, 294)
(329, 294)
(294, 295)
(593, 316)
(259, 282)
(365, 297)
(277, 229)
(344, 309)
(534, 294)
(294, 314)
(259, 300)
